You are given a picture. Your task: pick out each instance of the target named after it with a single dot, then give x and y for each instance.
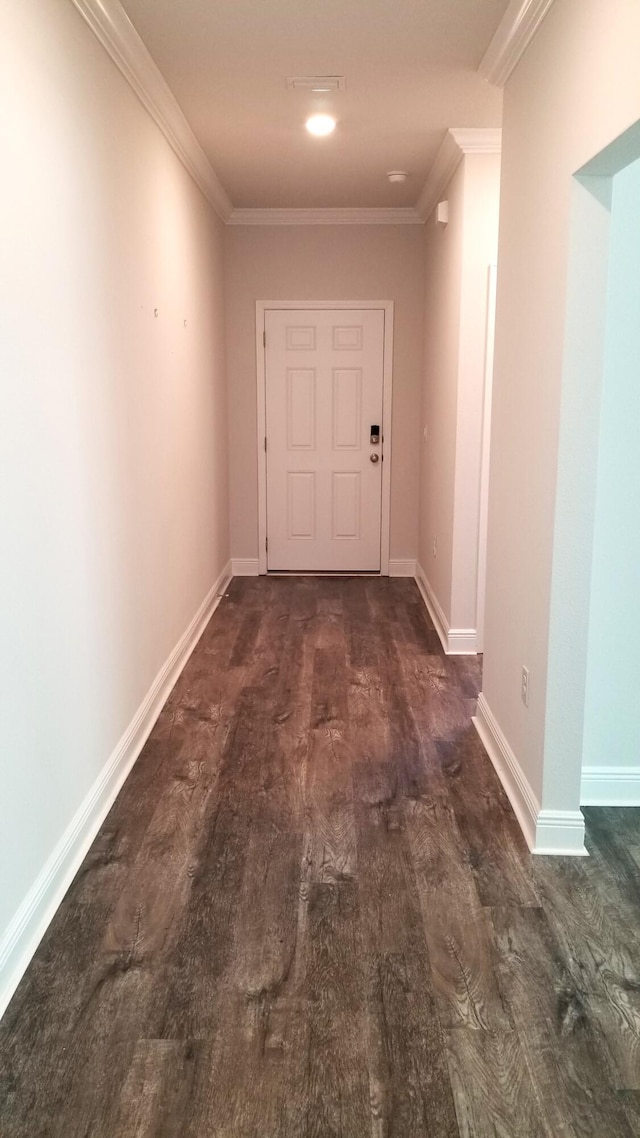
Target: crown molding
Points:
(478, 139)
(113, 28)
(398, 216)
(512, 38)
(456, 143)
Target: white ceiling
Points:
(410, 68)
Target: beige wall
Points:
(113, 426)
(350, 262)
(458, 257)
(576, 88)
(443, 288)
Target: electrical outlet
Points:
(435, 547)
(524, 687)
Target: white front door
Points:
(324, 395)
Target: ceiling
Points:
(410, 69)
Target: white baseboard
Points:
(455, 641)
(433, 606)
(34, 915)
(402, 568)
(245, 566)
(610, 786)
(462, 642)
(546, 831)
(519, 792)
(560, 833)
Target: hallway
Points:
(311, 911)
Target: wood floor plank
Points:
(337, 1087)
(331, 844)
(600, 948)
(410, 1089)
(441, 709)
(492, 1088)
(368, 714)
(612, 834)
(566, 1053)
(368, 695)
(331, 841)
(630, 1102)
(186, 990)
(155, 1096)
(253, 1081)
(358, 622)
(143, 915)
(204, 939)
(267, 654)
(406, 751)
(458, 932)
(264, 945)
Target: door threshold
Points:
(323, 573)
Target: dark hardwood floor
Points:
(311, 912)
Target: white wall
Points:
(443, 291)
(458, 257)
(324, 262)
(576, 88)
(113, 427)
(611, 726)
(480, 250)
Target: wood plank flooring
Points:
(311, 912)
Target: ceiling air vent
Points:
(320, 84)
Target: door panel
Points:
(301, 501)
(301, 409)
(347, 408)
(346, 504)
(323, 391)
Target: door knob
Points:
(374, 457)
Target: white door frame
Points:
(483, 517)
(387, 307)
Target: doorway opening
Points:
(592, 737)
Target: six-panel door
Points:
(324, 391)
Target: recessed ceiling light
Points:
(320, 124)
(397, 175)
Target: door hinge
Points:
(266, 544)
(264, 339)
(265, 442)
